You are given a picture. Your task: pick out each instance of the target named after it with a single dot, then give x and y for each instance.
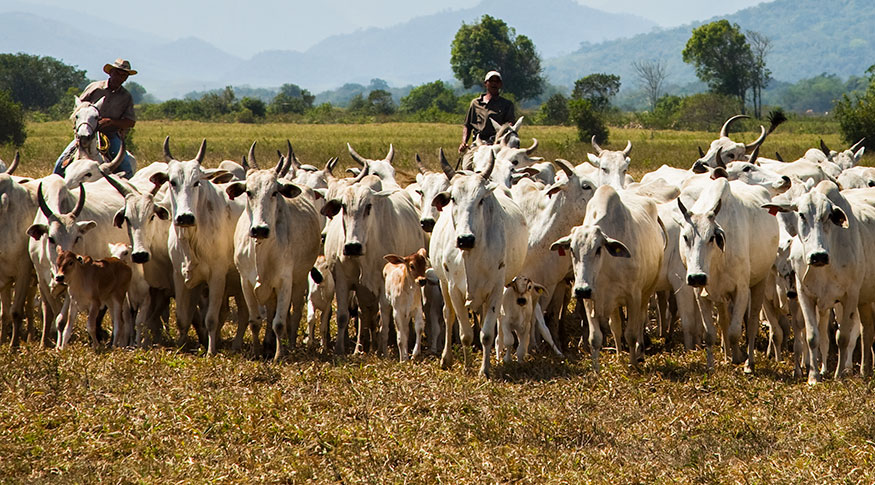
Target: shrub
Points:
(705, 111)
(554, 111)
(665, 114)
(856, 114)
(12, 128)
(589, 122)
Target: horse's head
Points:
(85, 118)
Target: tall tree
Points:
(37, 83)
(722, 58)
(651, 75)
(760, 46)
(598, 89)
(490, 44)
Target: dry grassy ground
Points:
(165, 415)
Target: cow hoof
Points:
(814, 380)
(446, 362)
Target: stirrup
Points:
(102, 144)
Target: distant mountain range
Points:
(808, 37)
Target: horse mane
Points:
(80, 107)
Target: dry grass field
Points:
(168, 415)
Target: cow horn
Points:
(420, 166)
(724, 131)
(79, 203)
(201, 151)
(488, 170)
(759, 141)
(244, 162)
(355, 156)
(15, 160)
(754, 155)
(628, 148)
(701, 152)
(44, 207)
(290, 154)
(391, 155)
(167, 156)
(329, 166)
(285, 165)
(115, 162)
(565, 165)
(778, 157)
(718, 159)
(280, 165)
(598, 149)
(853, 149)
(445, 165)
(358, 178)
(251, 156)
(116, 184)
(533, 147)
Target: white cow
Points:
(517, 314)
(612, 164)
(616, 254)
(276, 242)
(730, 150)
(477, 247)
(320, 295)
(18, 205)
(381, 168)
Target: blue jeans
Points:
(115, 144)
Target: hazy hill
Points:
(808, 37)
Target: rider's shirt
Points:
(117, 104)
(499, 109)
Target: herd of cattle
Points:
(505, 238)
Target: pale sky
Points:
(248, 27)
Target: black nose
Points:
(427, 224)
(259, 232)
(818, 259)
(786, 179)
(322, 237)
(421, 281)
(697, 280)
(521, 301)
(466, 241)
(585, 293)
(352, 249)
(791, 294)
(184, 220)
(59, 278)
(140, 257)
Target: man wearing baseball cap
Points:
(489, 105)
(116, 114)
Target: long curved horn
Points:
(825, 149)
(701, 152)
(391, 155)
(565, 165)
(80, 204)
(724, 131)
(284, 165)
(718, 158)
(361, 174)
(115, 162)
(251, 156)
(355, 156)
(853, 149)
(290, 154)
(11, 169)
(43, 206)
(244, 162)
(420, 165)
(445, 165)
(488, 171)
(329, 166)
(754, 155)
(759, 141)
(116, 184)
(598, 149)
(167, 156)
(628, 148)
(533, 147)
(201, 151)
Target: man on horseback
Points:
(489, 105)
(116, 115)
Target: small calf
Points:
(517, 307)
(319, 298)
(94, 283)
(404, 277)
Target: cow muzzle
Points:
(59, 278)
(427, 224)
(583, 292)
(259, 232)
(466, 242)
(820, 258)
(353, 249)
(140, 257)
(521, 301)
(697, 280)
(184, 220)
(421, 281)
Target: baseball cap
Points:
(490, 74)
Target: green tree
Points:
(291, 99)
(856, 113)
(435, 94)
(37, 83)
(380, 102)
(138, 92)
(554, 111)
(598, 89)
(254, 105)
(588, 120)
(705, 111)
(722, 57)
(359, 105)
(12, 128)
(490, 44)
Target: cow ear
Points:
(289, 191)
(221, 177)
(555, 189)
(683, 209)
(441, 200)
(593, 159)
(320, 193)
(491, 187)
(331, 208)
(158, 178)
(617, 249)
(539, 288)
(563, 243)
(394, 259)
(775, 207)
(235, 190)
(699, 167)
(85, 226)
(720, 238)
(719, 172)
(162, 213)
(36, 231)
(838, 217)
(119, 218)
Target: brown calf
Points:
(404, 277)
(93, 283)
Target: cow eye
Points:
(368, 209)
(274, 193)
(173, 183)
(419, 191)
(88, 174)
(586, 187)
(197, 183)
(687, 239)
(746, 169)
(481, 202)
(51, 240)
(598, 250)
(248, 193)
(78, 238)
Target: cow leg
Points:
(280, 317)
(867, 321)
(418, 327)
(6, 313)
(525, 337)
(848, 318)
(402, 332)
(616, 323)
(50, 307)
(341, 291)
(64, 323)
(216, 292)
(386, 315)
(487, 330)
(251, 303)
(812, 333)
(298, 297)
(776, 331)
(634, 333)
(706, 310)
(91, 326)
(800, 349)
(451, 299)
(753, 323)
(595, 333)
(691, 325)
(312, 318)
(538, 317)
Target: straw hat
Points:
(120, 64)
